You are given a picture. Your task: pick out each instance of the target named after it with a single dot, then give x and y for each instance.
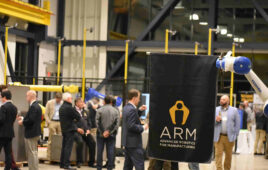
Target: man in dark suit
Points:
(8, 113)
(68, 116)
(32, 125)
(85, 124)
(132, 130)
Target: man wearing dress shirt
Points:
(227, 126)
(53, 119)
(132, 130)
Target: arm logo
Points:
(179, 106)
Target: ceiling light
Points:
(194, 17)
(223, 31)
(229, 35)
(241, 40)
(236, 39)
(203, 23)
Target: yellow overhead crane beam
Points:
(49, 88)
(26, 11)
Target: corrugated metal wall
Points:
(80, 14)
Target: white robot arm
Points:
(242, 65)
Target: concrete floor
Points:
(240, 162)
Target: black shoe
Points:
(255, 153)
(16, 168)
(79, 165)
(69, 168)
(92, 166)
(105, 166)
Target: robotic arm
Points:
(242, 65)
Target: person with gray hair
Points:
(32, 125)
(68, 116)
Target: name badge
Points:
(224, 118)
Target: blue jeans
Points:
(110, 149)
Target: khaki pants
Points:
(54, 129)
(166, 165)
(32, 152)
(266, 150)
(223, 145)
(93, 131)
(249, 126)
(260, 137)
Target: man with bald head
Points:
(227, 126)
(32, 125)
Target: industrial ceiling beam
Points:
(26, 11)
(21, 33)
(157, 20)
(120, 44)
(260, 10)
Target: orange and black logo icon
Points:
(179, 106)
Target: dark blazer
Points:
(266, 125)
(260, 121)
(85, 121)
(92, 115)
(8, 114)
(68, 115)
(132, 127)
(32, 121)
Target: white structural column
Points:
(79, 15)
(103, 36)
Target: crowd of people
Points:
(96, 126)
(79, 124)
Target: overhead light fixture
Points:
(203, 23)
(229, 35)
(241, 40)
(223, 31)
(194, 17)
(236, 39)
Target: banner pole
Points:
(59, 57)
(196, 48)
(232, 78)
(166, 41)
(209, 40)
(5, 71)
(84, 64)
(126, 62)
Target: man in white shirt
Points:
(53, 119)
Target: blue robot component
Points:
(93, 93)
(242, 65)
